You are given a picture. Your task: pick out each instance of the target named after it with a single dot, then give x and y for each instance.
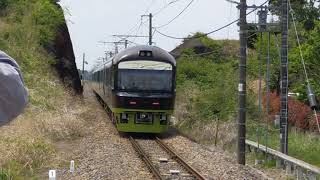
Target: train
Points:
(138, 87)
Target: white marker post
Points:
(52, 174)
(72, 166)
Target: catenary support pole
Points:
(116, 49)
(284, 79)
(83, 60)
(126, 43)
(150, 29)
(242, 83)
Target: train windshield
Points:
(145, 76)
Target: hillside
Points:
(207, 101)
(34, 33)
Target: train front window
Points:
(144, 76)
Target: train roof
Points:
(133, 53)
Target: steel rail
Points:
(145, 158)
(175, 156)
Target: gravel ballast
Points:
(214, 163)
(105, 154)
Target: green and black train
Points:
(138, 86)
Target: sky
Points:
(93, 21)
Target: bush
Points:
(48, 17)
(298, 112)
(216, 82)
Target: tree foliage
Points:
(306, 11)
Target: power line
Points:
(139, 23)
(216, 30)
(147, 10)
(177, 15)
(205, 34)
(138, 26)
(164, 7)
(138, 30)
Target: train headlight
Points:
(163, 119)
(145, 54)
(124, 118)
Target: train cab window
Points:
(144, 75)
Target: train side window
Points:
(111, 79)
(107, 77)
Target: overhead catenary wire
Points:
(213, 31)
(140, 23)
(147, 10)
(164, 7)
(137, 32)
(229, 18)
(184, 9)
(209, 52)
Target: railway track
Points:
(170, 167)
(162, 161)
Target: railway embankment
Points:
(33, 32)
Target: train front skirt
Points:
(142, 120)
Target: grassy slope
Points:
(27, 144)
(207, 92)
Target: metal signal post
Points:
(284, 79)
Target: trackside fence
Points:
(294, 167)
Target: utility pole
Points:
(150, 27)
(126, 43)
(242, 83)
(83, 60)
(116, 43)
(116, 50)
(284, 79)
(106, 53)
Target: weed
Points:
(26, 145)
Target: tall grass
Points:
(53, 113)
(301, 145)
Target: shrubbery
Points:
(300, 114)
(216, 82)
(29, 26)
(48, 17)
